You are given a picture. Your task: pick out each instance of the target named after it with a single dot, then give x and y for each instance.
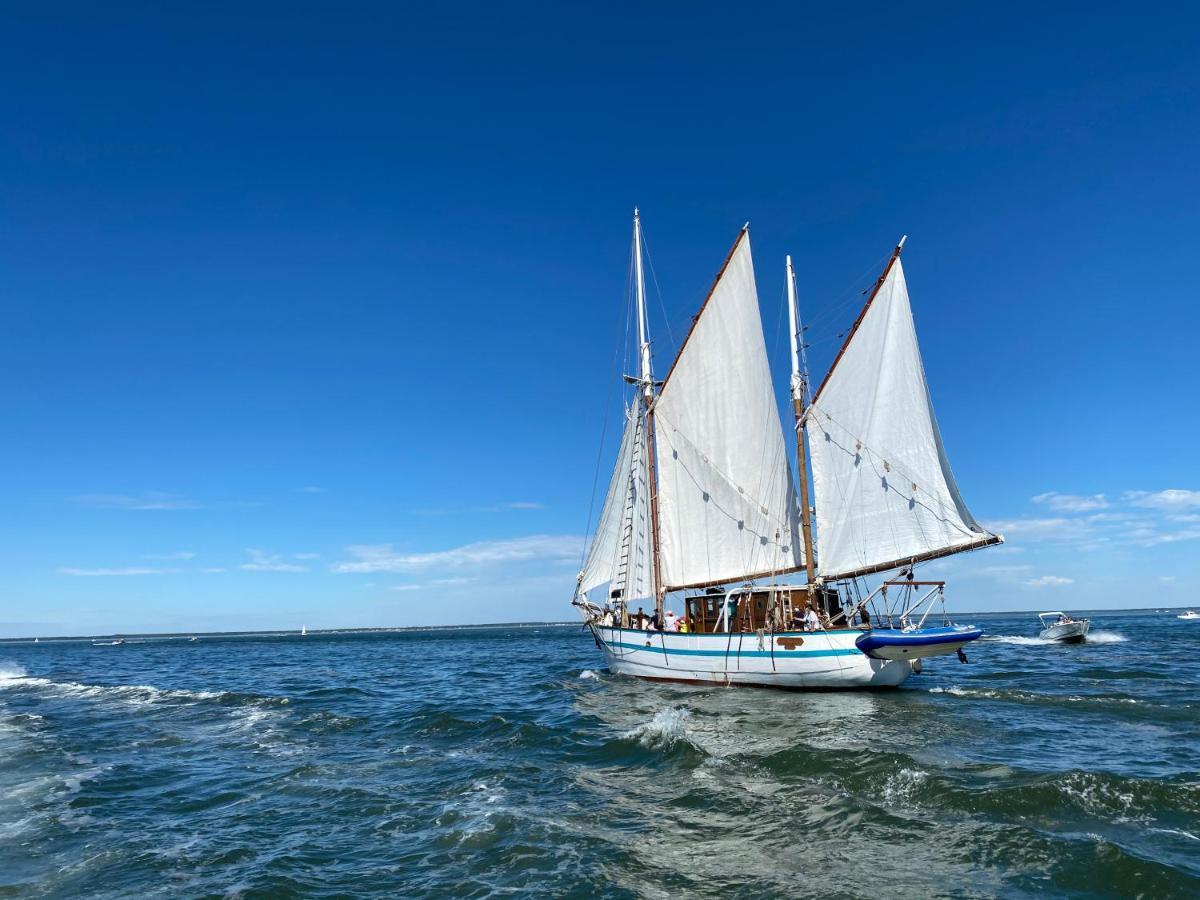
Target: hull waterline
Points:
(822, 660)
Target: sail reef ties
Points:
(889, 464)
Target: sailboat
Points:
(703, 509)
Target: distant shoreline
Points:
(390, 629)
(267, 632)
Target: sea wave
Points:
(665, 730)
(15, 677)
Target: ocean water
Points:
(465, 763)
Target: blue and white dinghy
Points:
(703, 514)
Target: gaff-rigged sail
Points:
(884, 492)
(620, 552)
(726, 505)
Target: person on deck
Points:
(812, 622)
(640, 621)
(672, 623)
(655, 624)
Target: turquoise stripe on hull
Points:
(734, 651)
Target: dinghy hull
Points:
(918, 643)
(819, 660)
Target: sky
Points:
(308, 311)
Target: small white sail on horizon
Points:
(884, 492)
(726, 503)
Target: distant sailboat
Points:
(303, 630)
(703, 500)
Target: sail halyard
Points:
(647, 386)
(799, 386)
(623, 550)
(726, 501)
(885, 494)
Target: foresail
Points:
(726, 506)
(619, 555)
(884, 491)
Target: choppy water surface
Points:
(470, 762)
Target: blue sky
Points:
(307, 313)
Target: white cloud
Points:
(151, 500)
(1071, 503)
(133, 570)
(407, 587)
(213, 571)
(1027, 526)
(1170, 499)
(1049, 581)
(262, 561)
(474, 510)
(383, 558)
(306, 556)
(181, 554)
(1155, 538)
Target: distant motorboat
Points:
(118, 642)
(1058, 626)
(191, 639)
(1190, 614)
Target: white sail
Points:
(726, 506)
(884, 491)
(620, 553)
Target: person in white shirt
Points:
(812, 622)
(672, 623)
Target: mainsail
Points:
(620, 553)
(726, 505)
(885, 495)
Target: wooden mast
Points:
(799, 391)
(646, 378)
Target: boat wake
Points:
(1020, 640)
(1105, 637)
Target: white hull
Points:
(1071, 632)
(819, 660)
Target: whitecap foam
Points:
(10, 672)
(900, 786)
(666, 728)
(588, 675)
(957, 691)
(1176, 831)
